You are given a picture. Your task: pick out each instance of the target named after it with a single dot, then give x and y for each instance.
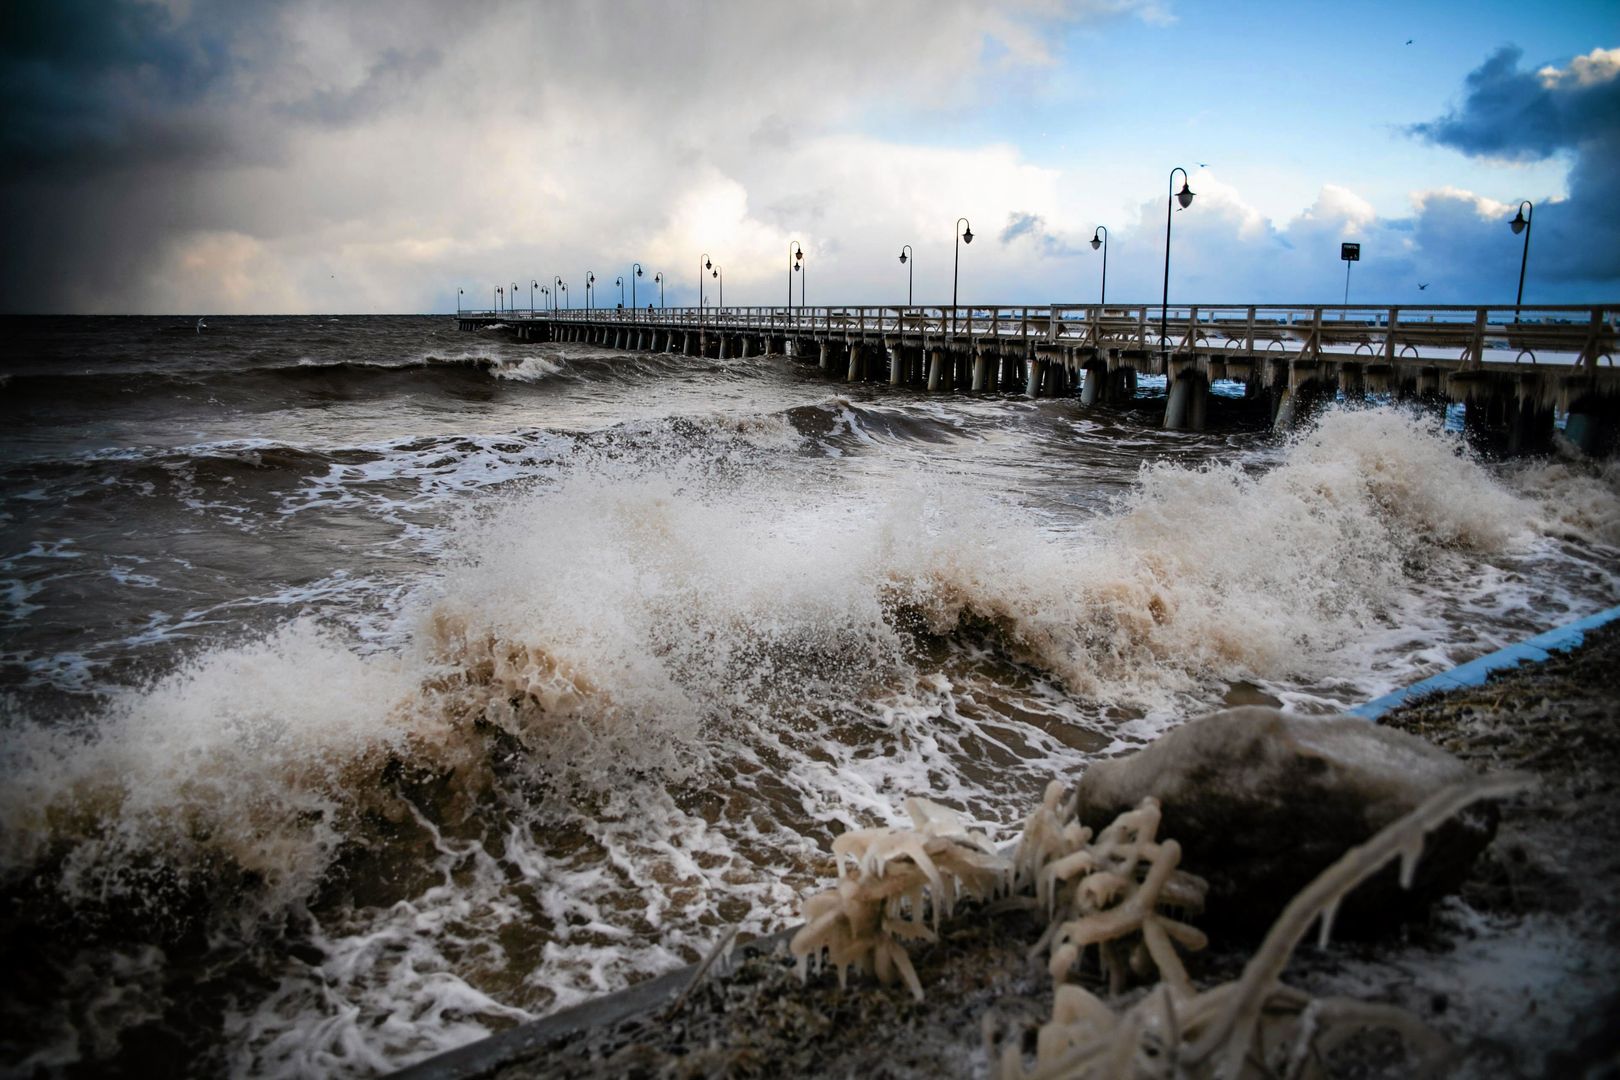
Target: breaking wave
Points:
(671, 661)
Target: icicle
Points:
(1325, 928)
(1410, 854)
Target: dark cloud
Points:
(1517, 114)
(88, 86)
(1514, 113)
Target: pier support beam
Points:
(1297, 395)
(1187, 404)
(981, 371)
(1095, 375)
(857, 370)
(1594, 422)
(936, 368)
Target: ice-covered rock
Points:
(1262, 801)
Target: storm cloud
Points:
(312, 155)
(1513, 113)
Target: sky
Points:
(212, 157)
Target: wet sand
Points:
(1517, 971)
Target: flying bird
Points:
(1422, 286)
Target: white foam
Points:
(659, 679)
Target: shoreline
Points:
(1515, 971)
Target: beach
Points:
(1514, 972)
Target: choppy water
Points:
(369, 686)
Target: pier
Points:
(1510, 367)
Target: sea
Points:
(368, 686)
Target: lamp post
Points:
(549, 301)
(533, 285)
(1185, 198)
(659, 277)
(965, 237)
(511, 299)
(1521, 224)
(908, 260)
(560, 288)
(459, 294)
(705, 264)
(721, 277)
(495, 299)
(1099, 239)
(633, 283)
(590, 282)
(795, 256)
(619, 281)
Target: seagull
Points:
(1203, 164)
(1422, 286)
(1409, 41)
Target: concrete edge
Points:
(1474, 672)
(483, 1056)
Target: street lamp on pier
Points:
(590, 283)
(533, 285)
(1185, 198)
(511, 299)
(966, 237)
(495, 299)
(549, 301)
(1099, 239)
(702, 266)
(633, 283)
(659, 277)
(908, 260)
(795, 256)
(1521, 224)
(561, 288)
(459, 294)
(619, 281)
(718, 274)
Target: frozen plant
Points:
(1119, 892)
(1255, 1026)
(889, 882)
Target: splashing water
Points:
(629, 699)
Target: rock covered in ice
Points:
(1262, 801)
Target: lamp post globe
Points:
(1185, 198)
(966, 237)
(1099, 239)
(1521, 224)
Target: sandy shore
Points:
(1518, 971)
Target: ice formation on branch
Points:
(1106, 891)
(1256, 1026)
(894, 879)
(1117, 892)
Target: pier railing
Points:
(1465, 335)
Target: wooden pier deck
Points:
(1511, 366)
